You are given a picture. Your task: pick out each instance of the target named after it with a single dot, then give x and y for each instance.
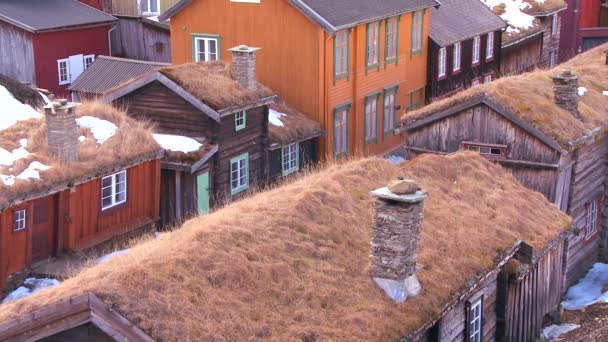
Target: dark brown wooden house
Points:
(537, 126)
(464, 47)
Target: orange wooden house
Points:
(352, 65)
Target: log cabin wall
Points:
(307, 156)
(17, 54)
(135, 39)
(187, 202)
(521, 57)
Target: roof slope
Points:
(290, 125)
(457, 20)
(530, 97)
(108, 72)
(37, 15)
(293, 262)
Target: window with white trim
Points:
(456, 57)
(442, 61)
(490, 46)
(240, 120)
(239, 173)
(113, 190)
(476, 82)
(554, 24)
(552, 60)
(476, 43)
(63, 70)
(88, 60)
(474, 322)
(206, 49)
(290, 158)
(486, 150)
(417, 31)
(592, 217)
(373, 44)
(341, 131)
(19, 219)
(389, 110)
(371, 118)
(150, 7)
(487, 78)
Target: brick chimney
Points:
(395, 234)
(62, 130)
(243, 66)
(565, 92)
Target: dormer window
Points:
(150, 7)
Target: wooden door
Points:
(202, 186)
(43, 223)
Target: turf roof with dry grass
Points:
(530, 97)
(296, 126)
(293, 262)
(132, 141)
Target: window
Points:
(239, 173)
(416, 99)
(476, 50)
(456, 57)
(341, 131)
(389, 110)
(486, 150)
(476, 82)
(417, 28)
(19, 219)
(113, 190)
(490, 46)
(442, 60)
(554, 24)
(290, 158)
(371, 118)
(88, 60)
(341, 54)
(487, 78)
(474, 322)
(63, 70)
(240, 120)
(150, 7)
(206, 48)
(392, 40)
(552, 60)
(592, 217)
(373, 43)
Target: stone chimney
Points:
(243, 66)
(62, 130)
(565, 92)
(395, 234)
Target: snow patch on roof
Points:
(8, 158)
(34, 285)
(581, 91)
(395, 159)
(112, 255)
(274, 118)
(514, 14)
(177, 143)
(32, 170)
(553, 332)
(11, 110)
(605, 93)
(588, 290)
(102, 130)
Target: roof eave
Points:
(452, 42)
(171, 12)
(17, 23)
(314, 16)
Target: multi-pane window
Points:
(206, 49)
(63, 71)
(554, 24)
(487, 78)
(240, 120)
(392, 39)
(476, 42)
(389, 110)
(371, 118)
(113, 190)
(290, 158)
(416, 99)
(486, 150)
(591, 218)
(476, 82)
(150, 7)
(341, 131)
(552, 60)
(456, 57)
(474, 322)
(239, 173)
(442, 61)
(341, 54)
(490, 46)
(373, 44)
(417, 28)
(88, 60)
(19, 219)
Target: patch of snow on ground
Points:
(395, 159)
(513, 14)
(274, 118)
(177, 143)
(553, 332)
(605, 93)
(581, 91)
(11, 110)
(102, 130)
(34, 285)
(588, 290)
(111, 255)
(82, 138)
(32, 170)
(7, 180)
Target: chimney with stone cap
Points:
(395, 233)
(243, 66)
(62, 130)
(565, 92)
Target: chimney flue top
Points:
(243, 66)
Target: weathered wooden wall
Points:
(521, 57)
(169, 212)
(136, 39)
(308, 155)
(129, 7)
(16, 54)
(550, 41)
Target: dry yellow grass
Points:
(544, 6)
(530, 97)
(132, 140)
(296, 125)
(293, 262)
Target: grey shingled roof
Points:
(40, 15)
(458, 20)
(109, 72)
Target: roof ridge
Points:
(136, 61)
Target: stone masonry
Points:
(243, 66)
(565, 92)
(62, 130)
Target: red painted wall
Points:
(52, 46)
(590, 13)
(93, 3)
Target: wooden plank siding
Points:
(188, 208)
(129, 7)
(307, 156)
(17, 54)
(135, 39)
(521, 57)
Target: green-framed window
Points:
(240, 120)
(416, 99)
(341, 54)
(371, 117)
(417, 32)
(391, 53)
(372, 55)
(205, 47)
(390, 96)
(239, 173)
(290, 158)
(341, 130)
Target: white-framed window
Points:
(19, 217)
(371, 118)
(474, 322)
(389, 110)
(487, 78)
(490, 46)
(442, 60)
(341, 54)
(290, 158)
(63, 70)
(552, 60)
(486, 150)
(554, 24)
(476, 82)
(592, 213)
(456, 57)
(88, 60)
(373, 44)
(417, 31)
(239, 173)
(150, 7)
(113, 190)
(240, 120)
(341, 131)
(206, 48)
(476, 43)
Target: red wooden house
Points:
(49, 43)
(585, 25)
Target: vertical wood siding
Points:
(16, 54)
(136, 40)
(521, 57)
(307, 157)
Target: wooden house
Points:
(545, 129)
(143, 38)
(585, 25)
(464, 47)
(354, 65)
(70, 182)
(50, 43)
(132, 8)
(301, 254)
